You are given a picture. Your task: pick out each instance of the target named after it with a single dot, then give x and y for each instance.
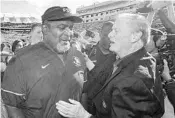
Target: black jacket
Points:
(133, 91)
(37, 78)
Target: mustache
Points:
(64, 37)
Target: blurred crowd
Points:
(99, 63)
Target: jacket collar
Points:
(132, 57)
(123, 63)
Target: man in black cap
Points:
(42, 74)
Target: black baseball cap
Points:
(58, 13)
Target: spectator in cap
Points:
(36, 34)
(17, 44)
(44, 73)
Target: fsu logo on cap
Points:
(65, 9)
(76, 61)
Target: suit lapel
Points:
(122, 64)
(111, 78)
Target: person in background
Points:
(5, 52)
(169, 26)
(4, 62)
(100, 51)
(169, 84)
(157, 41)
(76, 41)
(6, 55)
(77, 45)
(87, 35)
(25, 42)
(46, 72)
(168, 23)
(89, 39)
(6, 46)
(17, 44)
(157, 8)
(132, 91)
(36, 34)
(99, 64)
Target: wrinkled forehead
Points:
(120, 22)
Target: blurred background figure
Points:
(36, 34)
(5, 54)
(99, 61)
(87, 35)
(89, 39)
(158, 40)
(162, 45)
(100, 51)
(76, 41)
(169, 87)
(77, 45)
(6, 47)
(25, 42)
(164, 49)
(17, 44)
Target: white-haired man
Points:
(133, 91)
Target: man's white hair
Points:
(138, 23)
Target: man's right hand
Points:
(74, 109)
